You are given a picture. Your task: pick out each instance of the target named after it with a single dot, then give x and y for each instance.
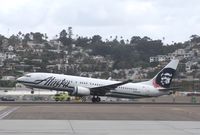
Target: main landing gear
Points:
(96, 99)
(32, 91)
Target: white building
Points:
(179, 52)
(161, 58)
(33, 45)
(188, 66)
(10, 48)
(12, 78)
(153, 59)
(7, 55)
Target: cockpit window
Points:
(27, 75)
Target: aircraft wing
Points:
(103, 89)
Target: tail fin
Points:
(164, 77)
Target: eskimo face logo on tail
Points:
(164, 78)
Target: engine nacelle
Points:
(80, 91)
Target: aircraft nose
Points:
(20, 79)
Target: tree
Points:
(13, 40)
(96, 39)
(195, 38)
(145, 38)
(66, 41)
(122, 42)
(82, 41)
(45, 36)
(38, 37)
(135, 39)
(1, 40)
(70, 33)
(63, 34)
(26, 39)
(19, 35)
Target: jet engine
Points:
(80, 91)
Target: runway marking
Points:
(7, 112)
(177, 109)
(71, 126)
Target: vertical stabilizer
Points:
(164, 77)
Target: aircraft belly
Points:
(125, 95)
(48, 87)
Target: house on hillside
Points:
(1, 59)
(10, 78)
(161, 58)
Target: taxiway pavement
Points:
(169, 112)
(84, 127)
(99, 119)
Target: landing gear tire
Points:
(96, 99)
(32, 91)
(93, 100)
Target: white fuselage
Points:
(66, 83)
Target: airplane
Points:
(83, 86)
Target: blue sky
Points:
(175, 20)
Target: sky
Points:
(168, 20)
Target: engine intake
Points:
(80, 91)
